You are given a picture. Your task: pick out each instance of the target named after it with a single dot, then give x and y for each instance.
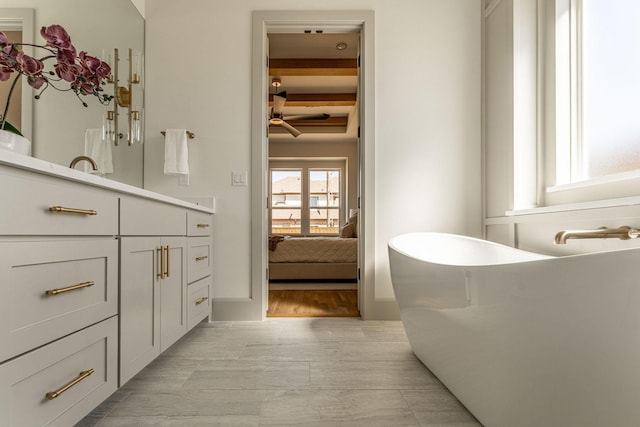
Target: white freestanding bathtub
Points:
(524, 339)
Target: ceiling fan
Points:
(277, 118)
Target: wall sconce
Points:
(124, 98)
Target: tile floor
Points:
(285, 372)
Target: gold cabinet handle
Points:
(167, 273)
(164, 262)
(201, 258)
(69, 288)
(73, 210)
(201, 300)
(203, 225)
(160, 252)
(84, 374)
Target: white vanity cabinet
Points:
(153, 281)
(165, 278)
(96, 281)
(152, 299)
(59, 281)
(199, 267)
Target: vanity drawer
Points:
(55, 287)
(198, 301)
(26, 380)
(198, 258)
(142, 217)
(85, 210)
(199, 223)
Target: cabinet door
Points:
(199, 223)
(88, 357)
(139, 304)
(173, 291)
(54, 288)
(198, 301)
(198, 258)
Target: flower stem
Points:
(38, 46)
(6, 107)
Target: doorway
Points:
(313, 173)
(266, 23)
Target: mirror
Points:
(58, 119)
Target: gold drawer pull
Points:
(202, 225)
(201, 258)
(167, 273)
(160, 251)
(163, 253)
(84, 374)
(201, 300)
(69, 288)
(73, 210)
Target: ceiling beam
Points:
(318, 99)
(331, 121)
(329, 130)
(313, 67)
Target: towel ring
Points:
(190, 134)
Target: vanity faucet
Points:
(75, 161)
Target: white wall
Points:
(427, 94)
(140, 5)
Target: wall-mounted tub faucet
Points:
(622, 233)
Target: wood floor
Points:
(313, 303)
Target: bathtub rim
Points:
(515, 255)
(533, 256)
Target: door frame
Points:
(264, 22)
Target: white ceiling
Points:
(315, 46)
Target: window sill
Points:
(604, 192)
(625, 177)
(581, 206)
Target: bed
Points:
(313, 258)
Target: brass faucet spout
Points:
(78, 159)
(622, 233)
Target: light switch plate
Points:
(239, 179)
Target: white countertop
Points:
(47, 168)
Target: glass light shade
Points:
(136, 126)
(136, 67)
(107, 56)
(108, 125)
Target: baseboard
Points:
(239, 309)
(315, 286)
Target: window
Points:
(324, 201)
(597, 89)
(306, 200)
(286, 201)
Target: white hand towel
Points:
(176, 154)
(99, 150)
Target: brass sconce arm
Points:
(123, 96)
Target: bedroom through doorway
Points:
(313, 174)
